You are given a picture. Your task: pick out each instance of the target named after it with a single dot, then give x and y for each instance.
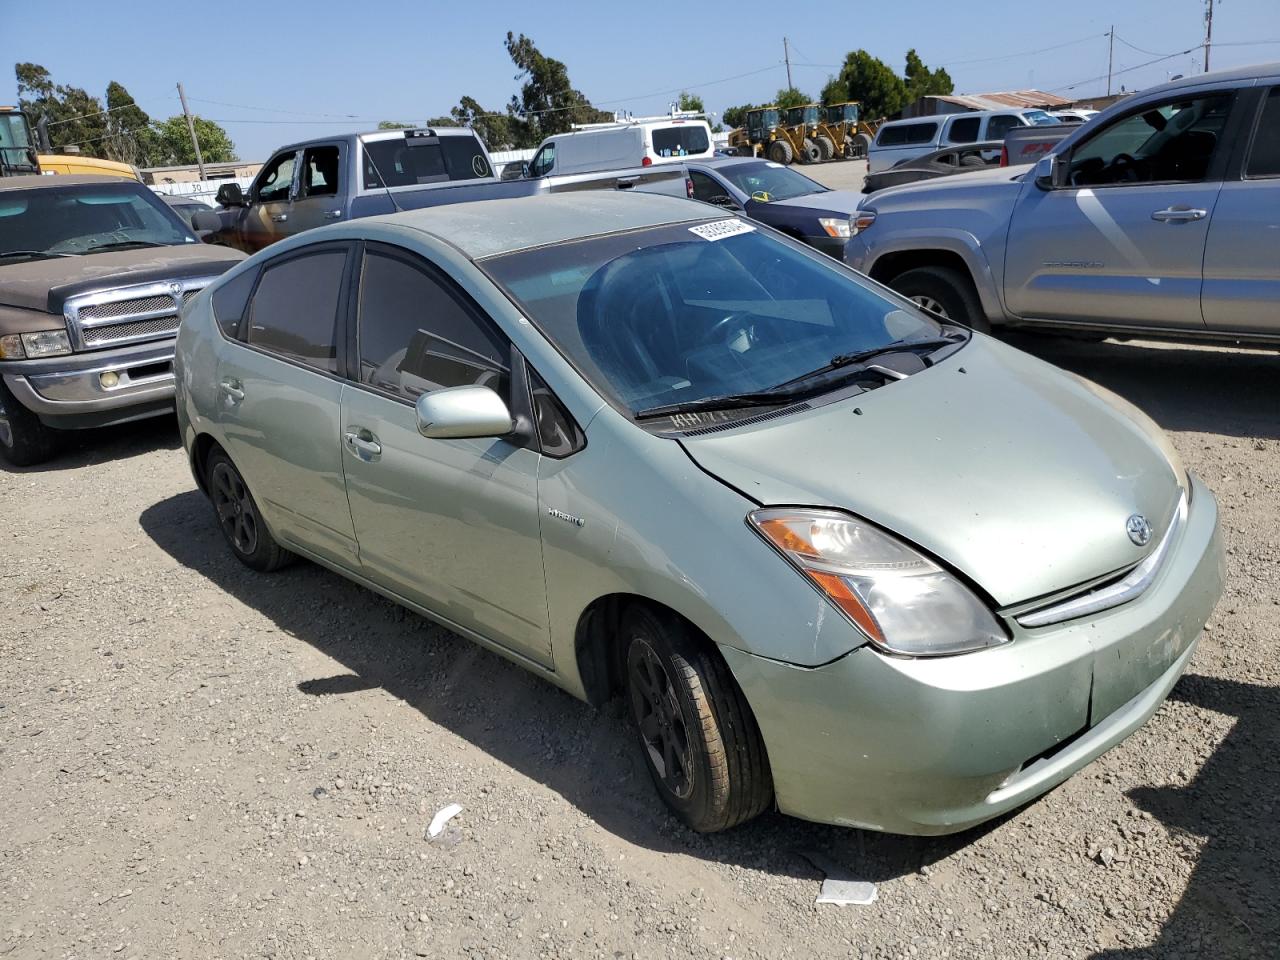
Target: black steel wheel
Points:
(239, 518)
(696, 731)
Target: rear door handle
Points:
(233, 389)
(279, 217)
(1179, 215)
(363, 444)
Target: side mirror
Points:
(1052, 172)
(456, 413)
(230, 195)
(205, 221)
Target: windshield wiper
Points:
(120, 244)
(725, 401)
(32, 254)
(841, 360)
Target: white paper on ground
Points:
(443, 816)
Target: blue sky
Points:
(273, 73)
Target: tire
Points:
(826, 147)
(24, 440)
(972, 160)
(811, 152)
(239, 519)
(861, 146)
(696, 731)
(945, 292)
(780, 152)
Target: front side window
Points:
(277, 179)
(416, 335)
(1165, 143)
(295, 310)
(705, 188)
(768, 181)
(320, 172)
(1264, 155)
(964, 130)
(681, 141)
(544, 161)
(685, 312)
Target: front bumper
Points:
(67, 392)
(935, 746)
(831, 246)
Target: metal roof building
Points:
(1005, 100)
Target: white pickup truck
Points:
(1158, 218)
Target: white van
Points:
(900, 140)
(616, 146)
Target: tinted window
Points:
(704, 188)
(230, 300)
(403, 161)
(558, 433)
(1168, 143)
(681, 141)
(543, 161)
(1001, 124)
(320, 172)
(415, 335)
(964, 130)
(907, 133)
(295, 311)
(1264, 156)
(276, 179)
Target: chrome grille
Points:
(134, 330)
(125, 308)
(112, 318)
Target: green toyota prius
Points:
(839, 557)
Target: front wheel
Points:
(24, 440)
(944, 292)
(780, 152)
(239, 519)
(810, 152)
(696, 731)
(826, 148)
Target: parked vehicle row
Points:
(900, 140)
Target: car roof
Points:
(488, 228)
(38, 181)
(724, 161)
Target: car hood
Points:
(1010, 471)
(842, 202)
(980, 179)
(46, 284)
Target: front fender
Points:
(916, 240)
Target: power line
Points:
(1024, 53)
(1117, 73)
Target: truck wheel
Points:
(861, 146)
(810, 153)
(238, 517)
(780, 152)
(945, 292)
(826, 148)
(696, 730)
(24, 440)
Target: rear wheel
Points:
(24, 440)
(239, 519)
(696, 731)
(861, 146)
(944, 292)
(826, 147)
(810, 152)
(780, 152)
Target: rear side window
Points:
(230, 301)
(1264, 155)
(907, 133)
(964, 130)
(320, 172)
(416, 335)
(403, 161)
(680, 141)
(1001, 124)
(295, 311)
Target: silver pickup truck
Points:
(1158, 219)
(355, 175)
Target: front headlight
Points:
(46, 343)
(11, 347)
(904, 602)
(837, 227)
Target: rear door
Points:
(1123, 243)
(1242, 257)
(280, 399)
(322, 191)
(270, 201)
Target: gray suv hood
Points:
(995, 462)
(837, 201)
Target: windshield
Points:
(767, 180)
(1039, 118)
(681, 313)
(844, 113)
(15, 142)
(86, 218)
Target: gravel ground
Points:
(202, 762)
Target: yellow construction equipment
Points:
(17, 147)
(804, 136)
(851, 133)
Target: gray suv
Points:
(1158, 218)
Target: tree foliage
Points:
(881, 91)
(690, 101)
(737, 116)
(923, 82)
(791, 97)
(393, 125)
(174, 143)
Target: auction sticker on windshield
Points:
(721, 229)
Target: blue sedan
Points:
(779, 197)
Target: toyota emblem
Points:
(1139, 530)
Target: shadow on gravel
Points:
(1230, 392)
(88, 448)
(1229, 909)
(587, 756)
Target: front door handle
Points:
(1179, 215)
(332, 214)
(279, 217)
(233, 389)
(363, 444)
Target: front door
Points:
(280, 401)
(1123, 241)
(320, 197)
(452, 525)
(270, 199)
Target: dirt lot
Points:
(201, 762)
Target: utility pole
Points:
(786, 55)
(191, 129)
(1111, 55)
(1208, 35)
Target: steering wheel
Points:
(717, 332)
(1124, 166)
